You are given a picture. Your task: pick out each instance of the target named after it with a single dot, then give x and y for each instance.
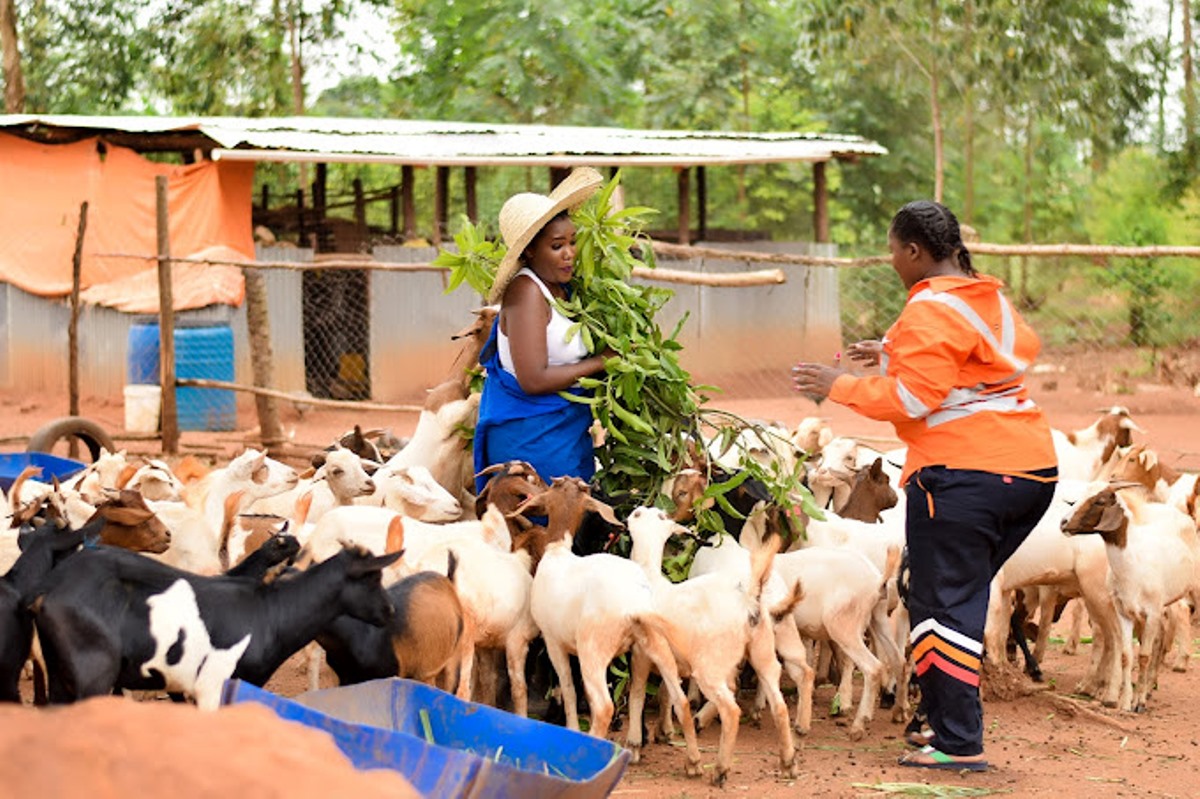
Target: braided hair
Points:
(934, 227)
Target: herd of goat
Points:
(139, 575)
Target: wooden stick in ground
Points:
(166, 323)
(262, 358)
(351, 405)
(73, 325)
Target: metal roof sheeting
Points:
(435, 143)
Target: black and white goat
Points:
(111, 619)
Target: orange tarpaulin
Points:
(42, 187)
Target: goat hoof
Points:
(635, 752)
(1036, 676)
(692, 769)
(857, 733)
(791, 769)
(719, 778)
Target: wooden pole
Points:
(441, 204)
(73, 326)
(316, 402)
(360, 209)
(701, 203)
(301, 228)
(394, 210)
(319, 198)
(685, 206)
(469, 179)
(409, 205)
(820, 203)
(266, 196)
(166, 323)
(262, 358)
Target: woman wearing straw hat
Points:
(529, 357)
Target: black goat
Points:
(110, 619)
(41, 548)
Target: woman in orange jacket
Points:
(980, 467)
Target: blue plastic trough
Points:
(448, 748)
(13, 463)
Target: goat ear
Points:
(1111, 519)
(318, 460)
(606, 512)
(370, 467)
(1117, 485)
(360, 567)
(876, 468)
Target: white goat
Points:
(717, 621)
(844, 596)
(340, 479)
(595, 607)
(1153, 557)
(1081, 453)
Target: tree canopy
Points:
(1012, 111)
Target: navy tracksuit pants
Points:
(962, 526)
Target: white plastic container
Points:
(142, 406)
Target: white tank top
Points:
(560, 350)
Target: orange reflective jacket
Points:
(952, 381)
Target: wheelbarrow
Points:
(42, 442)
(449, 748)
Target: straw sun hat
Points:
(524, 215)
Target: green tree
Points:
(83, 56)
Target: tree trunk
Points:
(295, 22)
(1164, 61)
(1020, 289)
(968, 213)
(1189, 79)
(10, 47)
(935, 110)
(262, 359)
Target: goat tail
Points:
(891, 566)
(761, 562)
(651, 630)
(781, 609)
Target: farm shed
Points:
(378, 334)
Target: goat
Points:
(1081, 452)
(111, 619)
(341, 477)
(438, 443)
(844, 596)
(595, 607)
(423, 640)
(42, 549)
(1152, 553)
(717, 621)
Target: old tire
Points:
(91, 434)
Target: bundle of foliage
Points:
(651, 414)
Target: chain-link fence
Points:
(1101, 323)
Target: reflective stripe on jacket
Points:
(952, 381)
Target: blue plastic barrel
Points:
(201, 352)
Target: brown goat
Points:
(427, 631)
(129, 523)
(871, 494)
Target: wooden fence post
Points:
(166, 323)
(262, 360)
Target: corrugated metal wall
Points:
(731, 335)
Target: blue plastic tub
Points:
(477, 751)
(201, 352)
(13, 463)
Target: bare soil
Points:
(1045, 743)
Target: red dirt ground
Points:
(1037, 745)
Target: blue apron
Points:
(549, 432)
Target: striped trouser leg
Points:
(952, 533)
